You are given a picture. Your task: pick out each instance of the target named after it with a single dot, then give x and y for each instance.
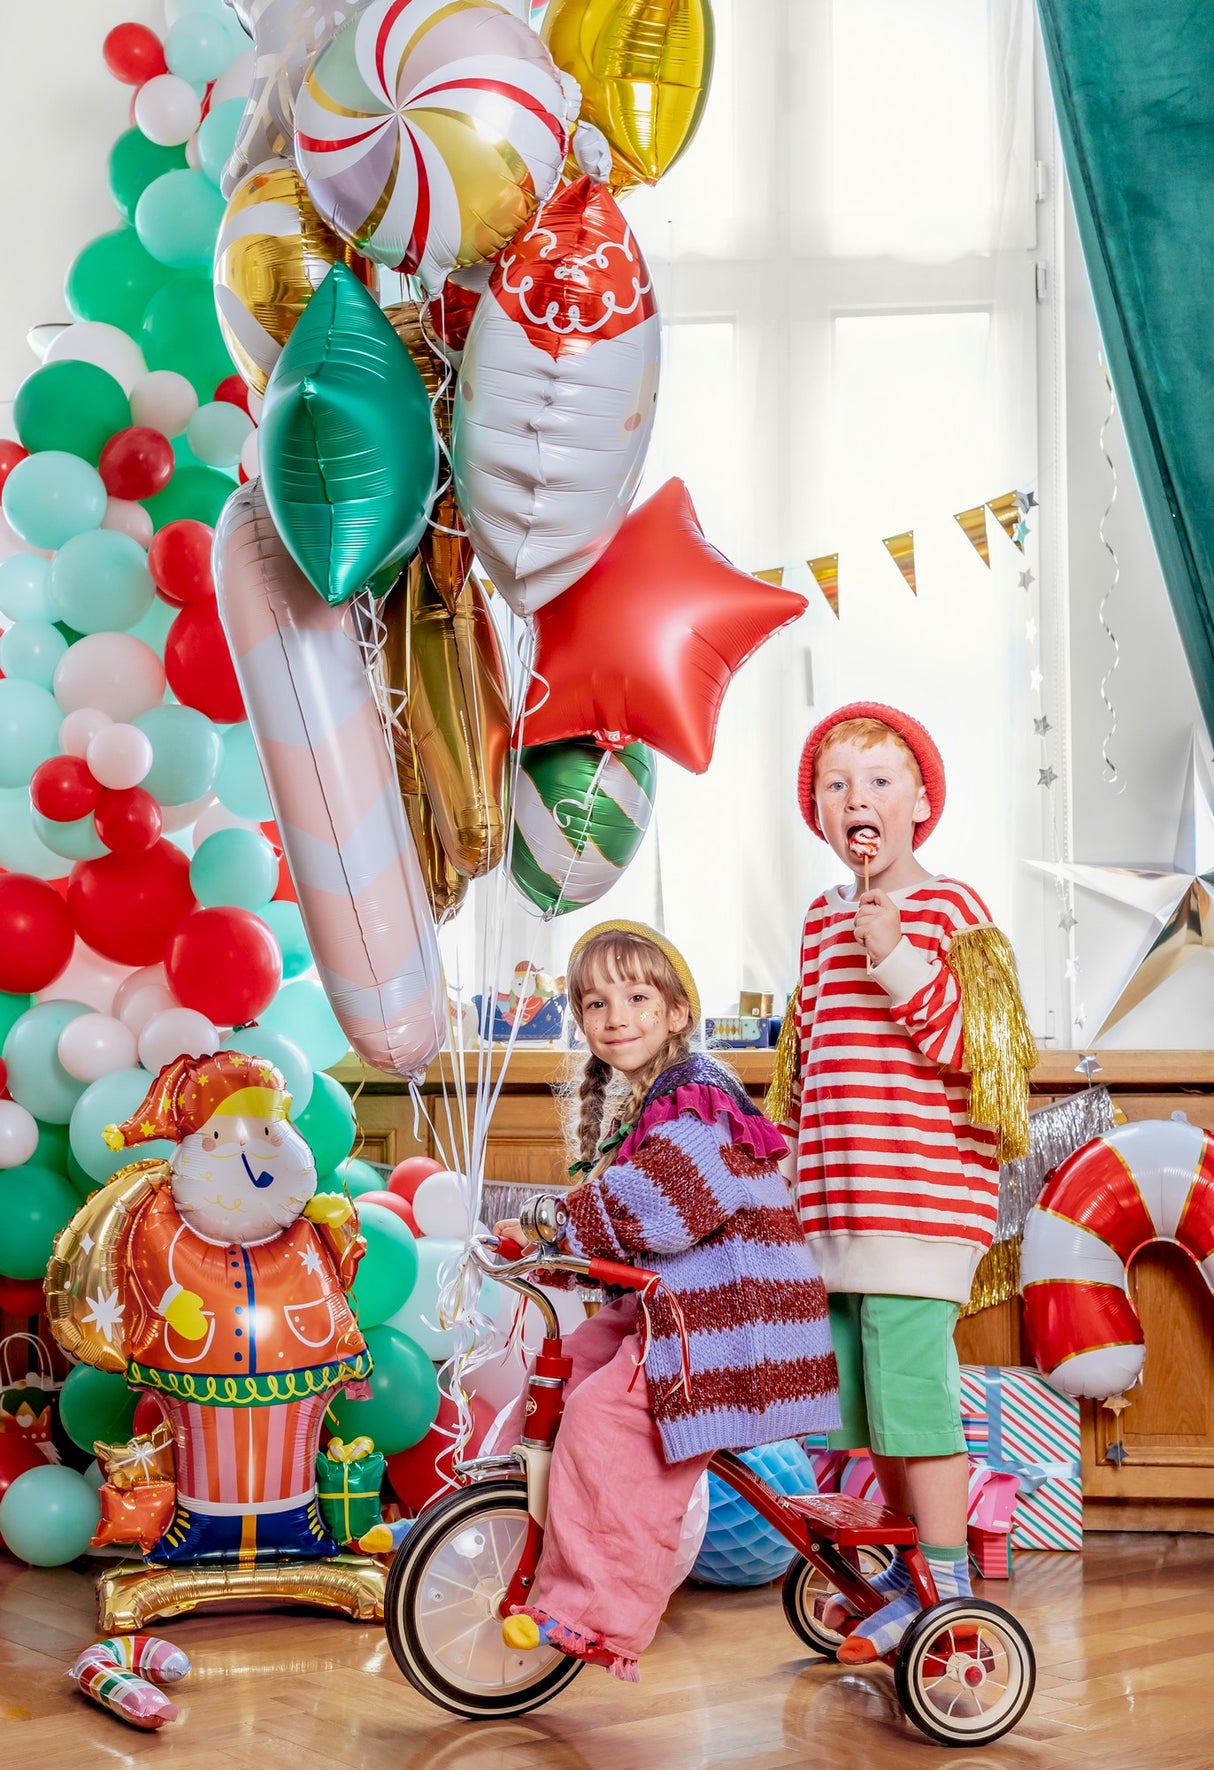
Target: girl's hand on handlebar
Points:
(510, 1229)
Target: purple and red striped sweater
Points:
(695, 1194)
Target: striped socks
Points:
(881, 1632)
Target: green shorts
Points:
(899, 1379)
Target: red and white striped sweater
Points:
(895, 1188)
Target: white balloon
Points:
(179, 817)
(143, 995)
(236, 81)
(40, 338)
(11, 543)
(499, 1382)
(249, 457)
(439, 1206)
(94, 1045)
(119, 756)
(127, 518)
(113, 671)
(177, 1032)
(218, 817)
(167, 110)
(80, 728)
(164, 401)
(193, 158)
(18, 1134)
(108, 348)
(255, 402)
(89, 978)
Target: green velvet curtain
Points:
(1133, 85)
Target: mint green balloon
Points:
(217, 433)
(75, 840)
(199, 47)
(25, 588)
(114, 279)
(217, 136)
(404, 1396)
(135, 162)
(21, 849)
(180, 332)
(52, 496)
(284, 1054)
(100, 582)
(36, 1078)
(176, 10)
(301, 1010)
(349, 457)
(153, 627)
(30, 650)
(197, 493)
(72, 406)
(54, 1148)
(240, 784)
(35, 1204)
(96, 1405)
(186, 753)
(29, 730)
(107, 1102)
(351, 1176)
(285, 923)
(327, 1124)
(238, 867)
(48, 1516)
(178, 219)
(387, 1271)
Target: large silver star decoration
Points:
(1178, 895)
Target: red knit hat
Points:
(913, 735)
(190, 1089)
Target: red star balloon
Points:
(644, 645)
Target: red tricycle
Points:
(964, 1671)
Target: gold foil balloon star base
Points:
(131, 1595)
(446, 549)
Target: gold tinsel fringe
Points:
(1000, 1050)
(786, 1067)
(997, 1277)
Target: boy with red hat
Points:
(901, 1081)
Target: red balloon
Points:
(134, 54)
(646, 642)
(408, 1175)
(10, 454)
(179, 560)
(136, 463)
(63, 789)
(284, 891)
(21, 1296)
(391, 1201)
(4, 1095)
(128, 906)
(198, 664)
(36, 934)
(451, 316)
(149, 1411)
(226, 964)
(128, 820)
(232, 392)
(423, 1472)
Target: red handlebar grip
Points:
(510, 1250)
(630, 1278)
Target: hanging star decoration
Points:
(1068, 920)
(1035, 680)
(1030, 629)
(1046, 777)
(1178, 895)
(1042, 725)
(1026, 578)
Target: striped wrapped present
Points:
(1016, 1424)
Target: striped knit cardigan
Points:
(695, 1194)
(897, 1191)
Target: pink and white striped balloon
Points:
(428, 131)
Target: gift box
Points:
(499, 1022)
(736, 1032)
(139, 1515)
(1017, 1425)
(990, 1552)
(348, 1480)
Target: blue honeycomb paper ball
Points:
(740, 1548)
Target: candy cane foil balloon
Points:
(332, 781)
(428, 131)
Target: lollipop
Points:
(864, 844)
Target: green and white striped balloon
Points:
(580, 813)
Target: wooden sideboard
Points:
(1166, 1481)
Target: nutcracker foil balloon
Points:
(216, 1280)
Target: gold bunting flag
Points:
(973, 527)
(1008, 513)
(826, 575)
(774, 576)
(901, 549)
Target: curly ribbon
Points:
(1109, 768)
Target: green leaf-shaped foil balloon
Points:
(580, 814)
(349, 457)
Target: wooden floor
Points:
(1124, 1638)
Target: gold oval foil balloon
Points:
(446, 549)
(644, 67)
(272, 254)
(457, 713)
(446, 886)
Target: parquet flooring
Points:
(1124, 1638)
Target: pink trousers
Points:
(615, 1505)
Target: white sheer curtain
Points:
(845, 264)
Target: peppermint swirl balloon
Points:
(428, 131)
(580, 814)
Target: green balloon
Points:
(35, 1204)
(11, 1010)
(349, 457)
(96, 1405)
(100, 582)
(25, 588)
(180, 332)
(113, 280)
(51, 496)
(178, 219)
(285, 923)
(36, 1078)
(301, 1010)
(283, 1053)
(404, 1396)
(351, 1176)
(135, 162)
(186, 753)
(73, 406)
(83, 1182)
(237, 867)
(54, 1148)
(327, 1124)
(217, 136)
(48, 1516)
(387, 1271)
(30, 651)
(587, 816)
(74, 840)
(29, 730)
(240, 785)
(198, 493)
(21, 849)
(107, 1102)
